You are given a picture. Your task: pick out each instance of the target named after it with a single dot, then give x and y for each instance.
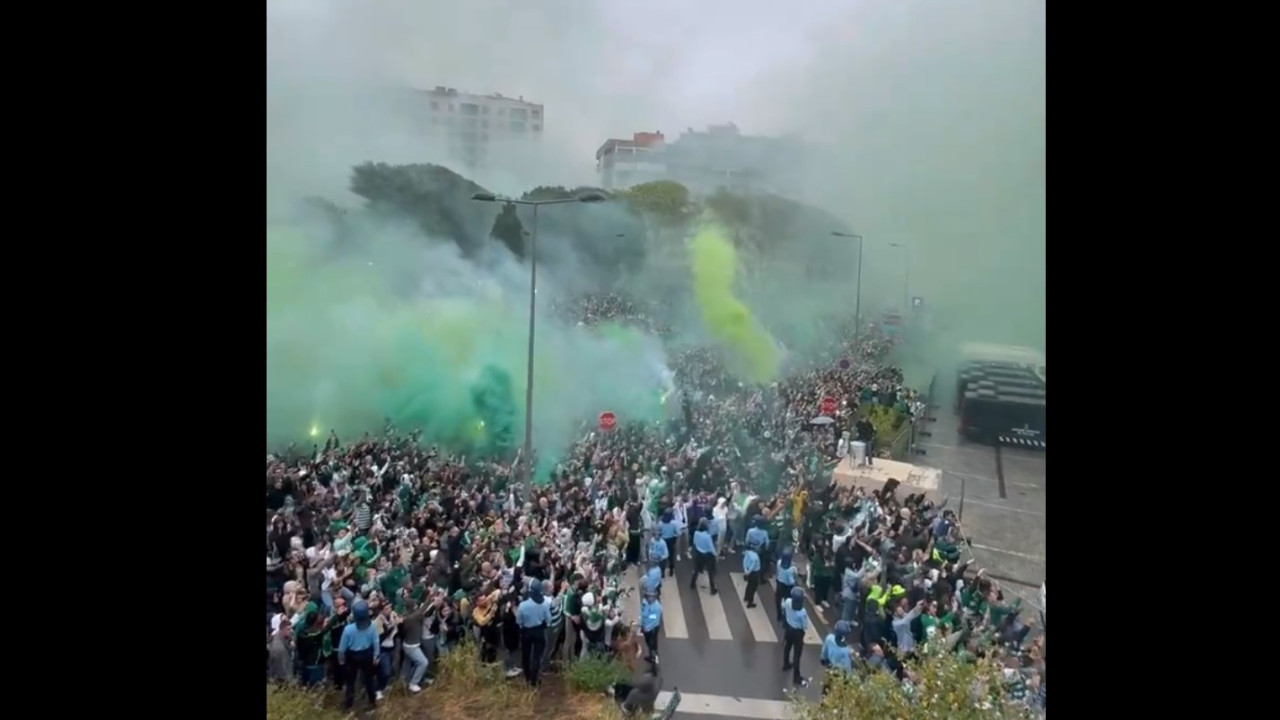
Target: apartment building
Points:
(718, 157)
(474, 127)
(623, 163)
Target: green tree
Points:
(734, 210)
(435, 198)
(547, 192)
(665, 200)
(941, 686)
(508, 230)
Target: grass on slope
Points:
(464, 689)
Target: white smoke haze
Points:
(924, 122)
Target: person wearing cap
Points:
(704, 556)
(650, 623)
(358, 653)
(836, 655)
(533, 615)
(795, 620)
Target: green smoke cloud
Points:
(752, 351)
(414, 333)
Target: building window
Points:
(517, 126)
(537, 127)
(470, 109)
(537, 114)
(435, 105)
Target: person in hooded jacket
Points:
(358, 652)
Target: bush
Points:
(944, 688)
(594, 674)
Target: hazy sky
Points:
(931, 112)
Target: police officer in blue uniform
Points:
(704, 556)
(793, 626)
(650, 623)
(751, 568)
(668, 531)
(752, 562)
(533, 615)
(660, 551)
(837, 657)
(785, 579)
(651, 583)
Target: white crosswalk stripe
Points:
(673, 624)
(757, 617)
(724, 706)
(725, 616)
(713, 613)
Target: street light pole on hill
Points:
(590, 197)
(857, 303)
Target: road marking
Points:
(972, 501)
(811, 636)
(713, 613)
(673, 625)
(1015, 553)
(986, 450)
(724, 706)
(761, 627)
(631, 600)
(993, 481)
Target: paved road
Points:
(1004, 502)
(726, 659)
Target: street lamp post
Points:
(590, 197)
(857, 303)
(906, 275)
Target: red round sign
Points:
(608, 420)
(828, 405)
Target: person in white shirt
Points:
(680, 513)
(719, 523)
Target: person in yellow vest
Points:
(797, 508)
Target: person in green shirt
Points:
(933, 624)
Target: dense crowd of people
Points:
(385, 554)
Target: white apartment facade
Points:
(475, 127)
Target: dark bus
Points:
(1001, 403)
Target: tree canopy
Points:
(614, 237)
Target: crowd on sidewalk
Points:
(385, 553)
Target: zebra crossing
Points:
(696, 614)
(1019, 441)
